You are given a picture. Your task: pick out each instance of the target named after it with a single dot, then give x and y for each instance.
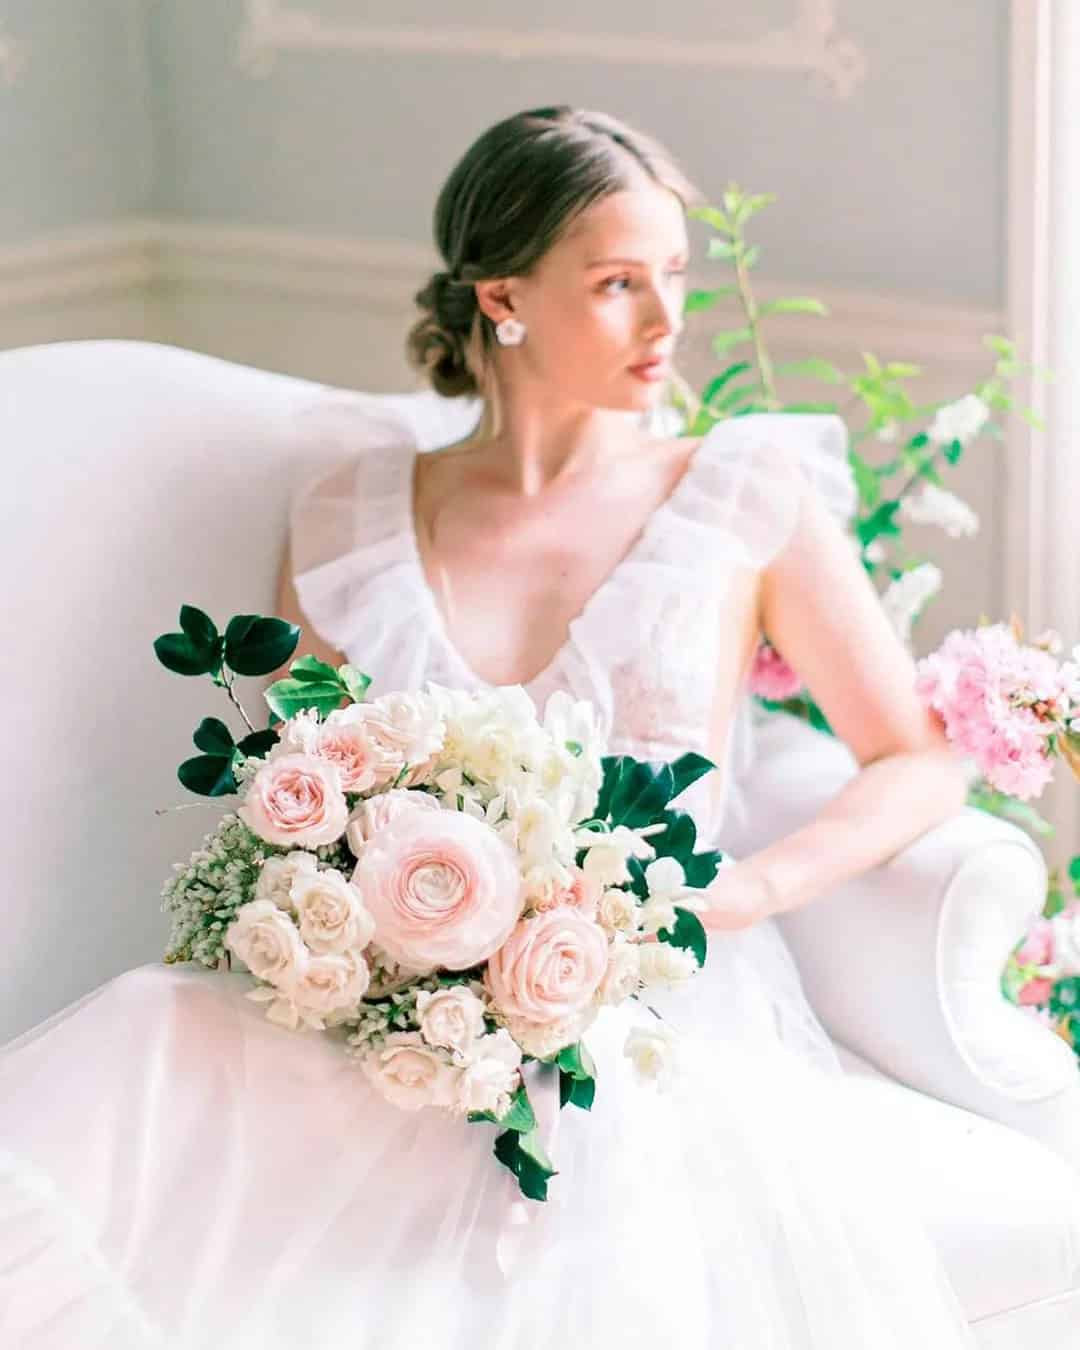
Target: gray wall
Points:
(76, 134)
(900, 187)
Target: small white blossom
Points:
(960, 421)
(906, 597)
(653, 1051)
(934, 505)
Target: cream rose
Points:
(406, 728)
(491, 1078)
(268, 943)
(653, 1052)
(331, 982)
(410, 1074)
(549, 967)
(296, 799)
(663, 964)
(544, 1039)
(452, 1017)
(375, 813)
(617, 911)
(277, 875)
(443, 889)
(623, 974)
(330, 912)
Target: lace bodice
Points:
(644, 648)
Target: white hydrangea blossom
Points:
(960, 421)
(906, 597)
(934, 505)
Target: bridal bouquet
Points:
(447, 882)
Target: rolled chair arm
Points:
(903, 963)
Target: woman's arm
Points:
(821, 611)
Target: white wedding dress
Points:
(177, 1171)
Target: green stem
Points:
(229, 690)
(746, 296)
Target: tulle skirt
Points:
(177, 1171)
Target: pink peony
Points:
(296, 799)
(443, 888)
(549, 967)
(1000, 703)
(771, 677)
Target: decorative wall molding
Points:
(383, 274)
(809, 42)
(14, 54)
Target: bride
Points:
(177, 1171)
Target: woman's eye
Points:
(612, 281)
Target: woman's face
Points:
(604, 298)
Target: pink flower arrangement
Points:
(1009, 706)
(771, 677)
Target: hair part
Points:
(517, 190)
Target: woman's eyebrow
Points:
(632, 262)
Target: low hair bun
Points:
(437, 343)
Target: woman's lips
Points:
(650, 370)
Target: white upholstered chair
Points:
(139, 477)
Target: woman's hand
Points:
(739, 896)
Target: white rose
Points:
(544, 1039)
(489, 1081)
(331, 982)
(405, 727)
(268, 943)
(277, 875)
(960, 421)
(618, 911)
(298, 735)
(375, 813)
(661, 963)
(623, 973)
(607, 853)
(653, 1051)
(452, 1017)
(330, 912)
(410, 1074)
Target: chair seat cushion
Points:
(1003, 1210)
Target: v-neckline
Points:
(435, 613)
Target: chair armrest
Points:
(903, 963)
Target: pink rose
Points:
(375, 813)
(296, 800)
(443, 888)
(550, 966)
(1038, 946)
(1035, 991)
(347, 740)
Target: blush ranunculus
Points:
(296, 799)
(549, 967)
(443, 888)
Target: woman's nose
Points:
(665, 310)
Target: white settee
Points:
(140, 477)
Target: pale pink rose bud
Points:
(443, 888)
(296, 799)
(375, 813)
(549, 967)
(771, 677)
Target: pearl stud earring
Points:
(510, 332)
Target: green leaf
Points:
(677, 841)
(639, 792)
(698, 300)
(953, 451)
(288, 697)
(576, 1061)
(688, 933)
(355, 681)
(879, 522)
(199, 627)
(311, 668)
(580, 1092)
(178, 653)
(1065, 996)
(1074, 874)
(520, 1116)
(1032, 418)
(809, 408)
(213, 736)
(1002, 345)
(715, 386)
(525, 1157)
(257, 646)
(867, 480)
(702, 867)
(208, 775)
(814, 368)
(721, 248)
(798, 304)
(258, 742)
(711, 215)
(750, 257)
(723, 342)
(687, 769)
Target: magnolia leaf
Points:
(178, 653)
(199, 627)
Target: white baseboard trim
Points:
(384, 274)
